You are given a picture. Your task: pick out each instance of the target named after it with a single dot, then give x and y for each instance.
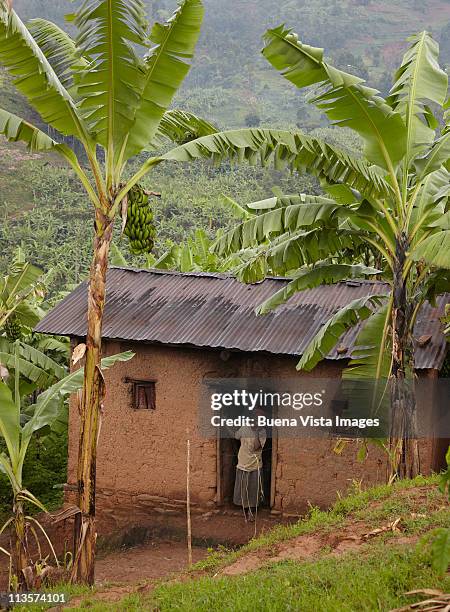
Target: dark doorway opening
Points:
(267, 472)
(227, 455)
(441, 445)
(440, 448)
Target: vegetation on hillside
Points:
(52, 232)
(361, 36)
(373, 575)
(380, 210)
(215, 89)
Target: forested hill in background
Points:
(231, 83)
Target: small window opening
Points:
(144, 395)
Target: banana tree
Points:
(391, 203)
(109, 90)
(19, 421)
(21, 292)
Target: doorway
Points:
(227, 452)
(440, 415)
(440, 448)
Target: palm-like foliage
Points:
(388, 209)
(22, 293)
(399, 136)
(447, 319)
(110, 89)
(19, 421)
(97, 88)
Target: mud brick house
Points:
(184, 328)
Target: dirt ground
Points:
(163, 551)
(229, 528)
(351, 535)
(161, 557)
(134, 570)
(306, 547)
(147, 562)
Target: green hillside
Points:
(231, 81)
(232, 85)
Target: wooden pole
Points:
(188, 503)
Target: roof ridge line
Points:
(226, 276)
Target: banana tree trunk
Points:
(403, 441)
(92, 399)
(21, 552)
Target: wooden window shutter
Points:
(144, 396)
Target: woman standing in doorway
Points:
(249, 487)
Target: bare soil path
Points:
(147, 562)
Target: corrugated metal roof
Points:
(217, 311)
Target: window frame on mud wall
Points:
(148, 386)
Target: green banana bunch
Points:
(140, 226)
(13, 328)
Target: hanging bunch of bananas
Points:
(140, 226)
(13, 328)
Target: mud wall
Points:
(142, 453)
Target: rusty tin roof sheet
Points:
(217, 311)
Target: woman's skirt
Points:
(248, 490)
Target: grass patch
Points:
(70, 590)
(393, 507)
(375, 580)
(374, 577)
(320, 521)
